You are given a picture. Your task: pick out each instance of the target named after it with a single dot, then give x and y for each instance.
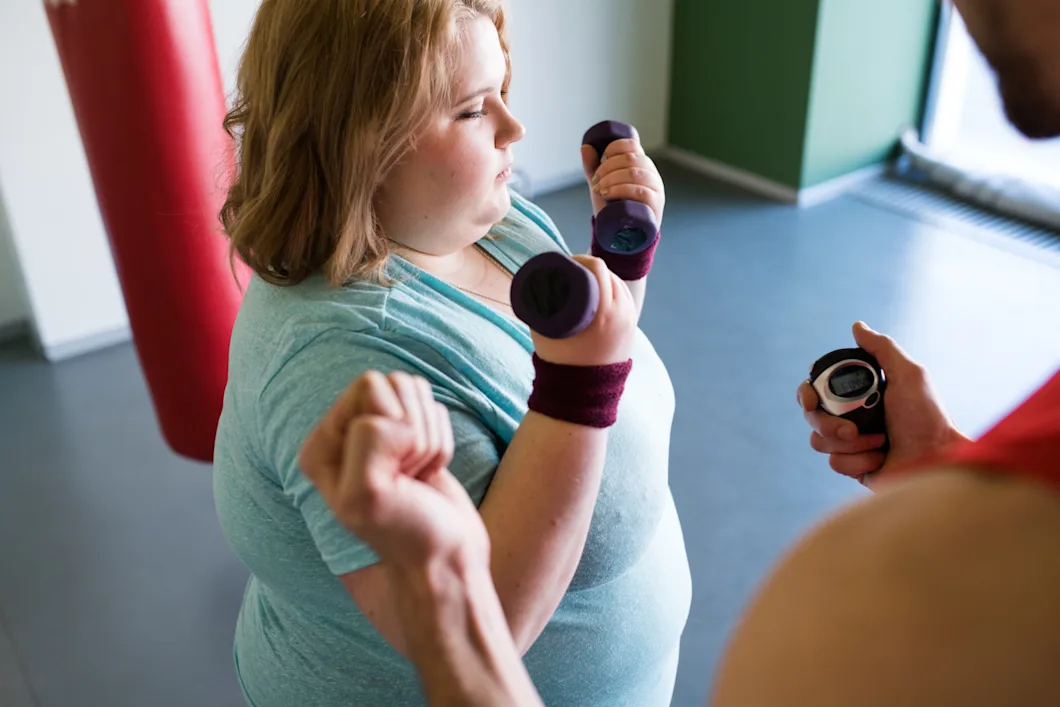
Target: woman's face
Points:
(452, 188)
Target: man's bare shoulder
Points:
(942, 589)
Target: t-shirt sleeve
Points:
(298, 396)
(1025, 443)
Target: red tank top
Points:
(1026, 443)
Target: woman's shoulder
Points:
(313, 305)
(319, 327)
(276, 324)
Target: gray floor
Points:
(117, 589)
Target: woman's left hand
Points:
(625, 172)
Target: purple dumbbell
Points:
(555, 296)
(622, 227)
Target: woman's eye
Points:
(470, 115)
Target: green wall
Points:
(741, 74)
(798, 91)
(871, 64)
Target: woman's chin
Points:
(502, 203)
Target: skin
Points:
(940, 590)
(452, 188)
(1019, 38)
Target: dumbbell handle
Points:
(601, 135)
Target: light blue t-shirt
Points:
(300, 639)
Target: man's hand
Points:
(624, 172)
(379, 460)
(916, 423)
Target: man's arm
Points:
(461, 645)
(378, 459)
(537, 511)
(944, 589)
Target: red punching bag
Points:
(146, 88)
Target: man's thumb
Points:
(889, 355)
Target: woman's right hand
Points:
(917, 426)
(609, 337)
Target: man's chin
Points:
(1034, 124)
(1031, 108)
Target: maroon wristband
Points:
(583, 395)
(628, 266)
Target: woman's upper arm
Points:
(371, 592)
(296, 398)
(294, 401)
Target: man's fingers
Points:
(366, 395)
(407, 391)
(372, 451)
(857, 465)
(865, 443)
(831, 427)
(887, 353)
(322, 450)
(430, 421)
(807, 397)
(440, 435)
(445, 431)
(447, 485)
(380, 397)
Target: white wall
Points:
(56, 227)
(575, 63)
(12, 300)
(231, 25)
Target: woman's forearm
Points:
(639, 290)
(537, 512)
(459, 639)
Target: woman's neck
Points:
(443, 266)
(438, 265)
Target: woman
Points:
(375, 143)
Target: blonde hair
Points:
(331, 95)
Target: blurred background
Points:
(826, 161)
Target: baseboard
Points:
(732, 175)
(834, 187)
(767, 187)
(14, 331)
(87, 344)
